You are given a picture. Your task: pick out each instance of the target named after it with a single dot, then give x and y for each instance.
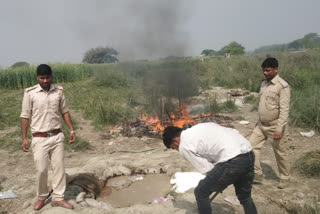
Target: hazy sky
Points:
(42, 31)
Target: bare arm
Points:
(200, 163)
(67, 119)
(24, 130)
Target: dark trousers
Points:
(238, 171)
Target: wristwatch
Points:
(72, 132)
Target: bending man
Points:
(221, 153)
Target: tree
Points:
(311, 40)
(208, 52)
(19, 64)
(100, 55)
(233, 48)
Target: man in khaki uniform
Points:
(273, 116)
(44, 103)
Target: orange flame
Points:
(157, 125)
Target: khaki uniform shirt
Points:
(274, 102)
(44, 108)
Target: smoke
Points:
(143, 29)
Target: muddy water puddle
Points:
(124, 191)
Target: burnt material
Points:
(140, 128)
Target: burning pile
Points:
(152, 126)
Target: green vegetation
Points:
(107, 94)
(312, 208)
(226, 107)
(233, 48)
(22, 77)
(19, 64)
(308, 164)
(299, 69)
(100, 55)
(250, 99)
(208, 52)
(310, 41)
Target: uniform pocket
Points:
(272, 100)
(54, 103)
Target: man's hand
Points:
(72, 138)
(276, 135)
(25, 145)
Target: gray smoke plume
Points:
(142, 29)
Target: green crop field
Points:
(108, 93)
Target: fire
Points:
(175, 120)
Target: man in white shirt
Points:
(223, 154)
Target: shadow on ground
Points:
(268, 172)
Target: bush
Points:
(100, 55)
(308, 164)
(250, 99)
(19, 64)
(111, 79)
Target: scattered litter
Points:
(110, 143)
(183, 181)
(7, 194)
(162, 199)
(238, 103)
(80, 197)
(307, 134)
(232, 200)
(244, 122)
(136, 178)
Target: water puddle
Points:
(125, 191)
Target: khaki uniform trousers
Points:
(45, 149)
(259, 135)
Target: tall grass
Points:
(22, 77)
(117, 91)
(301, 70)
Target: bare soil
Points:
(18, 173)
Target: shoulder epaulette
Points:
(59, 87)
(30, 88)
(283, 83)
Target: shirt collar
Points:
(275, 79)
(52, 87)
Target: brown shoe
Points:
(38, 205)
(62, 203)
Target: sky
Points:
(51, 31)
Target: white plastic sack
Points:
(7, 194)
(183, 181)
(307, 134)
(244, 122)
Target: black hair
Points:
(44, 70)
(270, 63)
(169, 133)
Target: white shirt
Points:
(206, 144)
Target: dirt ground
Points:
(18, 173)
